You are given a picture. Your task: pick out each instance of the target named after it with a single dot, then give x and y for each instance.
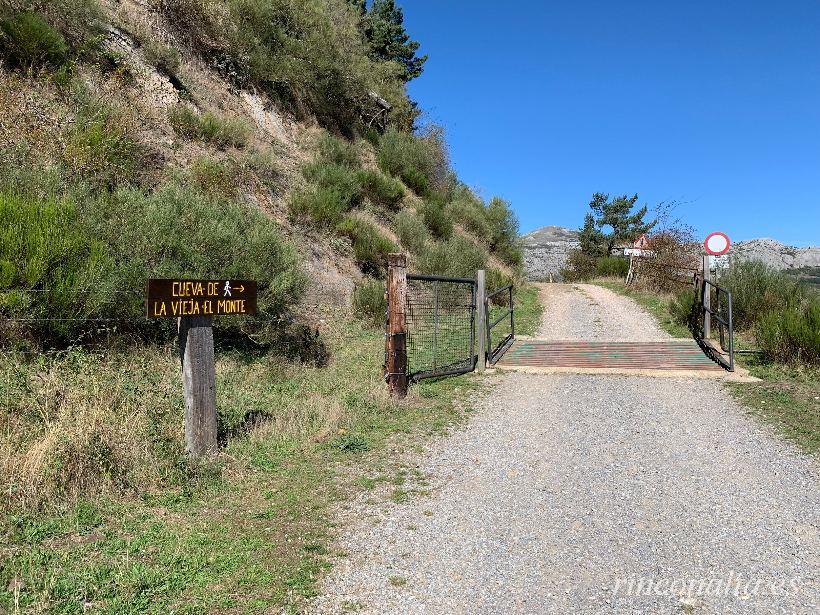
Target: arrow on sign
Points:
(241, 289)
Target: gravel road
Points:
(592, 494)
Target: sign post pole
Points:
(707, 299)
(396, 289)
(194, 303)
(196, 353)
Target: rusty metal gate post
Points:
(396, 335)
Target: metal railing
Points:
(719, 312)
(503, 298)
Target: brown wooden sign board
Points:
(176, 298)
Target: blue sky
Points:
(714, 104)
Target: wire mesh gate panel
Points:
(500, 322)
(440, 316)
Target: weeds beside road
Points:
(107, 512)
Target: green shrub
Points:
(27, 40)
(337, 151)
(757, 289)
(94, 256)
(370, 247)
(336, 190)
(44, 248)
(411, 231)
(309, 55)
(495, 279)
(473, 217)
(612, 266)
(436, 219)
(683, 308)
(165, 59)
(219, 178)
(101, 150)
(324, 206)
(792, 335)
(421, 162)
(369, 302)
(335, 177)
(579, 266)
(456, 257)
(219, 131)
(504, 232)
(383, 191)
(201, 237)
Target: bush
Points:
(683, 308)
(27, 40)
(495, 279)
(579, 266)
(504, 232)
(324, 206)
(337, 151)
(369, 302)
(218, 131)
(175, 232)
(436, 219)
(165, 59)
(101, 149)
(757, 289)
(420, 161)
(473, 217)
(412, 232)
(336, 191)
(309, 55)
(370, 247)
(45, 249)
(612, 266)
(792, 335)
(456, 257)
(381, 190)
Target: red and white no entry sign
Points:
(717, 244)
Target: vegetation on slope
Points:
(105, 182)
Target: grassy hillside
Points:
(195, 138)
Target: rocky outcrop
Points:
(776, 254)
(545, 252)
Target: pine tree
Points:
(596, 239)
(389, 42)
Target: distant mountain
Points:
(545, 251)
(776, 254)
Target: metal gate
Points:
(498, 307)
(714, 305)
(440, 321)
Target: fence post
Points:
(196, 352)
(481, 319)
(707, 299)
(396, 338)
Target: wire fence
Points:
(440, 315)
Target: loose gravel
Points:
(563, 489)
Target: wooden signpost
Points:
(194, 303)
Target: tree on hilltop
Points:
(612, 222)
(383, 27)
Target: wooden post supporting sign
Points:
(196, 353)
(396, 335)
(194, 303)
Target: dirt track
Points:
(564, 489)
